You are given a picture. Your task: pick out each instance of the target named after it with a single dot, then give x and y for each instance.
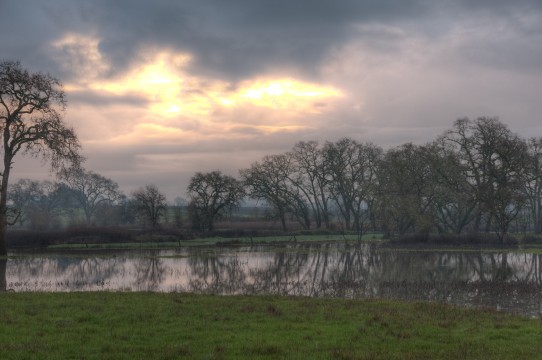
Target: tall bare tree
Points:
(211, 195)
(454, 203)
(352, 171)
(271, 181)
(31, 107)
(312, 179)
(408, 188)
(495, 162)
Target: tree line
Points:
(82, 197)
(476, 177)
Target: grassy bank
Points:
(150, 243)
(172, 326)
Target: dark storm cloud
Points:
(232, 39)
(26, 32)
(239, 38)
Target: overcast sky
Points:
(160, 89)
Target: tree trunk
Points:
(347, 221)
(210, 223)
(283, 221)
(3, 278)
(88, 216)
(3, 240)
(3, 206)
(538, 219)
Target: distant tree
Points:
(495, 163)
(312, 177)
(408, 189)
(31, 105)
(45, 208)
(211, 195)
(149, 204)
(454, 203)
(93, 192)
(271, 181)
(21, 197)
(178, 205)
(533, 182)
(127, 210)
(352, 171)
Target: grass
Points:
(280, 239)
(221, 241)
(105, 325)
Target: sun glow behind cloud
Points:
(173, 92)
(285, 94)
(178, 104)
(158, 81)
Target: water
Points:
(501, 280)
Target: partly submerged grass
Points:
(222, 241)
(280, 239)
(175, 326)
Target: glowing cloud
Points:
(172, 92)
(179, 104)
(284, 94)
(160, 82)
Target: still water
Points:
(502, 280)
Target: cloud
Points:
(158, 90)
(244, 38)
(158, 98)
(418, 84)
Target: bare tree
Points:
(149, 204)
(21, 196)
(271, 181)
(533, 182)
(313, 179)
(407, 188)
(454, 203)
(352, 171)
(90, 190)
(211, 194)
(38, 204)
(495, 162)
(45, 211)
(31, 105)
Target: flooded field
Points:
(502, 280)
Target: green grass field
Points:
(105, 325)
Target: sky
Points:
(158, 90)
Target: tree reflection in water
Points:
(149, 272)
(508, 281)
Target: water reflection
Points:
(507, 281)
